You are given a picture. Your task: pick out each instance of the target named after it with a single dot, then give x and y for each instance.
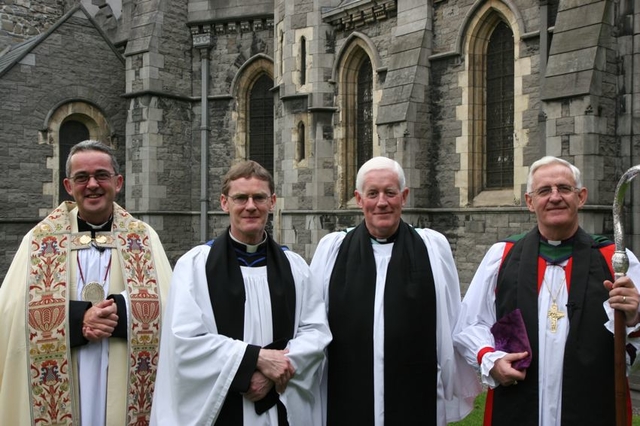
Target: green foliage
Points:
(476, 416)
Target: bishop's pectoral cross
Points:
(554, 315)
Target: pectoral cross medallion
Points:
(93, 292)
(554, 315)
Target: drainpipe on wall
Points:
(544, 53)
(624, 25)
(624, 12)
(630, 15)
(202, 41)
(204, 146)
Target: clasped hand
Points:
(275, 366)
(259, 387)
(100, 320)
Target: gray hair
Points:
(92, 145)
(380, 163)
(549, 159)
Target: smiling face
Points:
(94, 198)
(248, 215)
(557, 213)
(381, 202)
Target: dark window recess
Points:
(303, 61)
(364, 108)
(499, 111)
(261, 123)
(301, 154)
(71, 132)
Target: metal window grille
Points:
(261, 123)
(364, 108)
(499, 111)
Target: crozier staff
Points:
(561, 278)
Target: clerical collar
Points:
(249, 248)
(84, 226)
(389, 240)
(556, 252)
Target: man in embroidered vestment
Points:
(392, 294)
(560, 279)
(245, 331)
(81, 306)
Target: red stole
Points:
(588, 360)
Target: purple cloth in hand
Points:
(510, 336)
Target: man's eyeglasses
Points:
(545, 191)
(388, 193)
(242, 199)
(82, 178)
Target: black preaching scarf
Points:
(588, 387)
(410, 358)
(226, 291)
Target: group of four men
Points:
(373, 332)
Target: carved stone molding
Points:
(231, 27)
(358, 14)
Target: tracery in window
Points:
(356, 73)
(493, 101)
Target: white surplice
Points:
(477, 315)
(93, 358)
(102, 368)
(197, 365)
(457, 382)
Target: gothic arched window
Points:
(357, 74)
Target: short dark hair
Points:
(92, 145)
(247, 169)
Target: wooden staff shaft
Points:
(620, 263)
(620, 367)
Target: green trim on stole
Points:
(50, 372)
